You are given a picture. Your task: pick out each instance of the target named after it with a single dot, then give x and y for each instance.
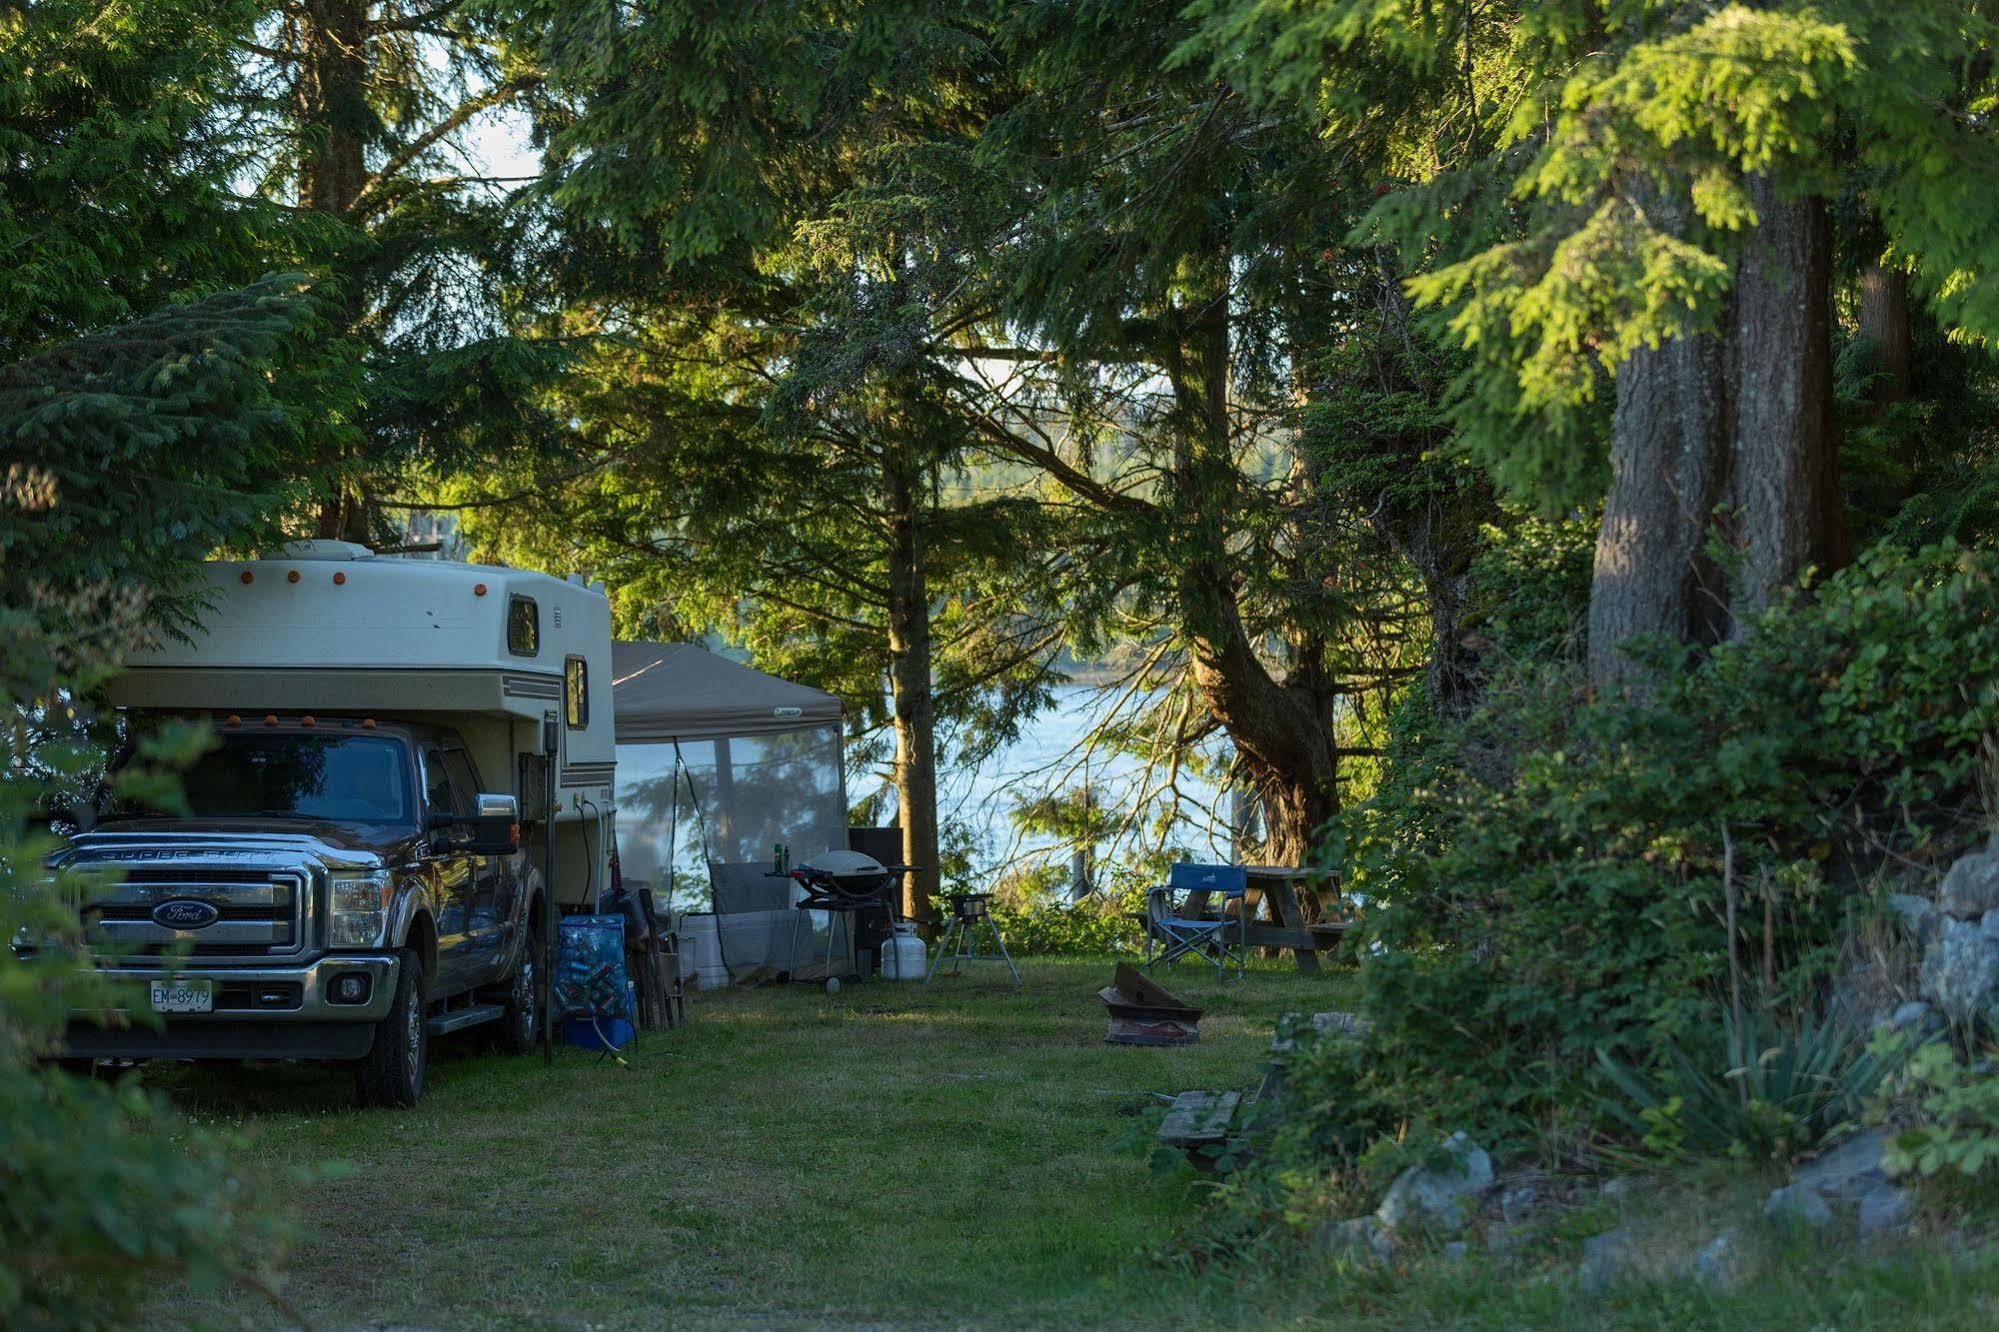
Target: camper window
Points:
(576, 692)
(523, 627)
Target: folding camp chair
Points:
(1186, 929)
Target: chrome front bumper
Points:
(313, 981)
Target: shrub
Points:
(1549, 876)
(1034, 920)
(1955, 1109)
(1768, 1091)
(105, 1188)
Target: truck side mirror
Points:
(495, 826)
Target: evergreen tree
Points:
(1637, 254)
(114, 173)
(364, 115)
(768, 454)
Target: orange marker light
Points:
(232, 720)
(249, 577)
(339, 578)
(292, 577)
(367, 723)
(270, 719)
(478, 589)
(307, 720)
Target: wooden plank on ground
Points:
(1199, 1118)
(1144, 990)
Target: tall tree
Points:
(1669, 190)
(1174, 252)
(767, 457)
(368, 115)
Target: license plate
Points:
(183, 996)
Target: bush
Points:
(1035, 920)
(106, 1189)
(1767, 1092)
(1955, 1114)
(1550, 875)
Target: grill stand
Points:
(968, 912)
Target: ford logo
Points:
(184, 913)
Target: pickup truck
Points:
(344, 889)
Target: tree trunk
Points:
(1668, 451)
(334, 121)
(1283, 733)
(909, 650)
(1884, 321)
(1788, 510)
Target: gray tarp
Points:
(666, 691)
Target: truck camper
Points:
(413, 774)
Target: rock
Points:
(1919, 916)
(1961, 971)
(1340, 1024)
(1440, 1198)
(1457, 1251)
(1971, 888)
(1516, 1202)
(1798, 1203)
(1360, 1239)
(1604, 1256)
(1619, 1186)
(1988, 924)
(1909, 1015)
(1849, 1171)
(1719, 1263)
(1883, 1211)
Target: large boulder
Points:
(1440, 1198)
(1605, 1258)
(1849, 1177)
(1971, 888)
(1849, 1171)
(1960, 972)
(1918, 916)
(1360, 1240)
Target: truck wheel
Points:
(392, 1072)
(520, 1028)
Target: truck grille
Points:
(258, 913)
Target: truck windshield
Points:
(362, 779)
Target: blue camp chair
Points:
(1176, 934)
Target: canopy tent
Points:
(669, 691)
(718, 764)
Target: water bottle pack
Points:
(590, 967)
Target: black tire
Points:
(392, 1072)
(520, 1028)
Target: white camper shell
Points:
(328, 627)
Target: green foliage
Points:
(1575, 177)
(1778, 1090)
(138, 450)
(1034, 922)
(1548, 877)
(107, 1189)
(1955, 1108)
(110, 167)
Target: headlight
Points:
(359, 910)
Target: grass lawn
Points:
(942, 1155)
(938, 1156)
